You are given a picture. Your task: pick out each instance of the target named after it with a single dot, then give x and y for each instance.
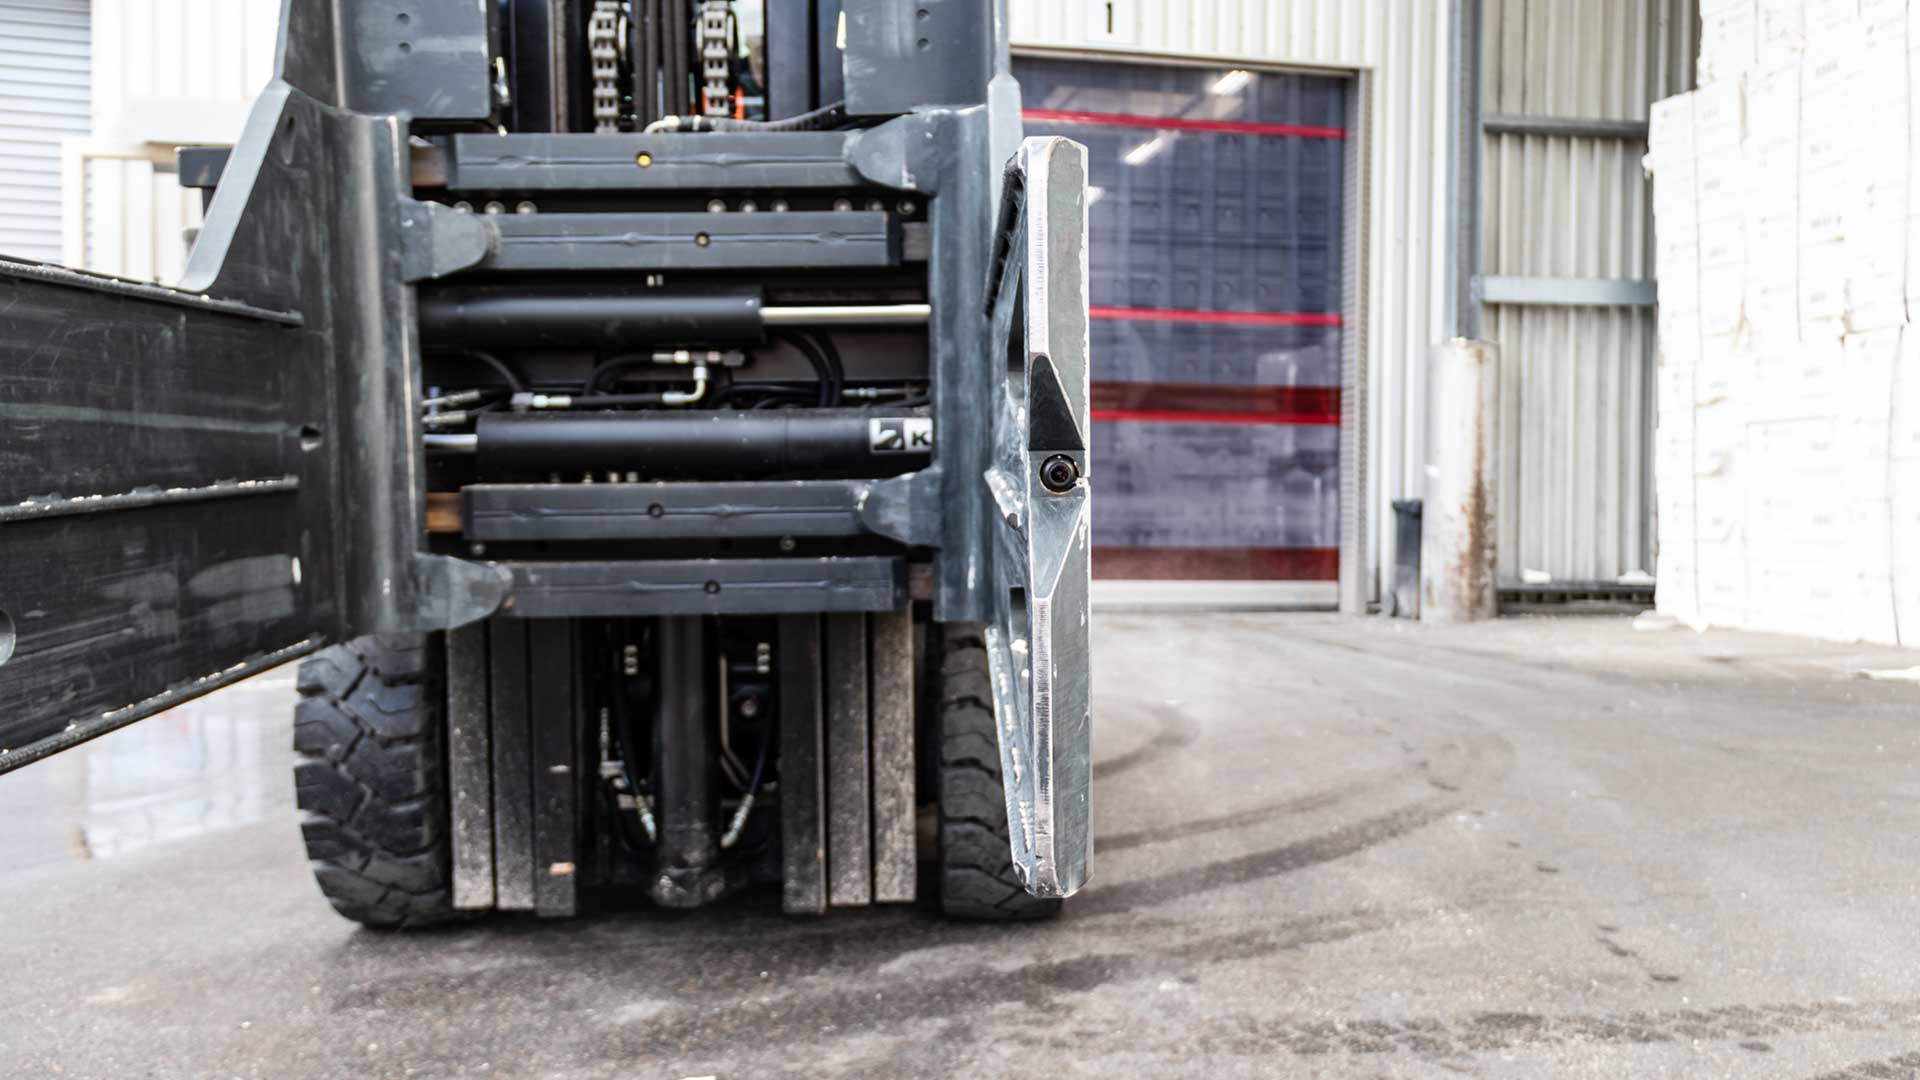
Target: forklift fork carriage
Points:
(778, 398)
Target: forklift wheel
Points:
(371, 779)
(977, 880)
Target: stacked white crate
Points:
(1788, 222)
(1677, 254)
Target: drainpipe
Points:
(1458, 566)
(1463, 169)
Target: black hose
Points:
(833, 362)
(829, 386)
(760, 761)
(775, 392)
(618, 363)
(514, 381)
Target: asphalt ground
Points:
(1326, 847)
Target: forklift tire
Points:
(977, 879)
(369, 735)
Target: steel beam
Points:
(470, 767)
(700, 511)
(1565, 292)
(803, 782)
(576, 590)
(1565, 127)
(554, 715)
(508, 692)
(892, 697)
(719, 160)
(849, 805)
(857, 239)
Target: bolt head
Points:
(1059, 473)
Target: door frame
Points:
(1357, 587)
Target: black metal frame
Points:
(254, 486)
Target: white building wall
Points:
(43, 102)
(1400, 47)
(1575, 467)
(1788, 450)
(166, 73)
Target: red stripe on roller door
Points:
(1195, 402)
(1167, 416)
(1181, 123)
(1219, 318)
(1216, 564)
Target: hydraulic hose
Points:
(819, 119)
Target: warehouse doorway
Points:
(1217, 212)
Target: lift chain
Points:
(716, 67)
(603, 43)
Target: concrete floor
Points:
(1326, 848)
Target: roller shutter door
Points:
(1216, 261)
(44, 98)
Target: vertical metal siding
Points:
(1576, 468)
(137, 218)
(197, 56)
(197, 50)
(1400, 50)
(43, 101)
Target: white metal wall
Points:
(166, 73)
(1400, 47)
(179, 71)
(1576, 468)
(43, 102)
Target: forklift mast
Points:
(648, 362)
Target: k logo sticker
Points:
(900, 435)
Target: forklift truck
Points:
(672, 471)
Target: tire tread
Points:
(977, 879)
(370, 780)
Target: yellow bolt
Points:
(645, 159)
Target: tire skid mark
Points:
(1894, 1068)
(1255, 815)
(1349, 839)
(1468, 756)
(1177, 732)
(1496, 1031)
(794, 1019)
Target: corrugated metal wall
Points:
(43, 101)
(1401, 48)
(137, 218)
(165, 73)
(1576, 470)
(201, 54)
